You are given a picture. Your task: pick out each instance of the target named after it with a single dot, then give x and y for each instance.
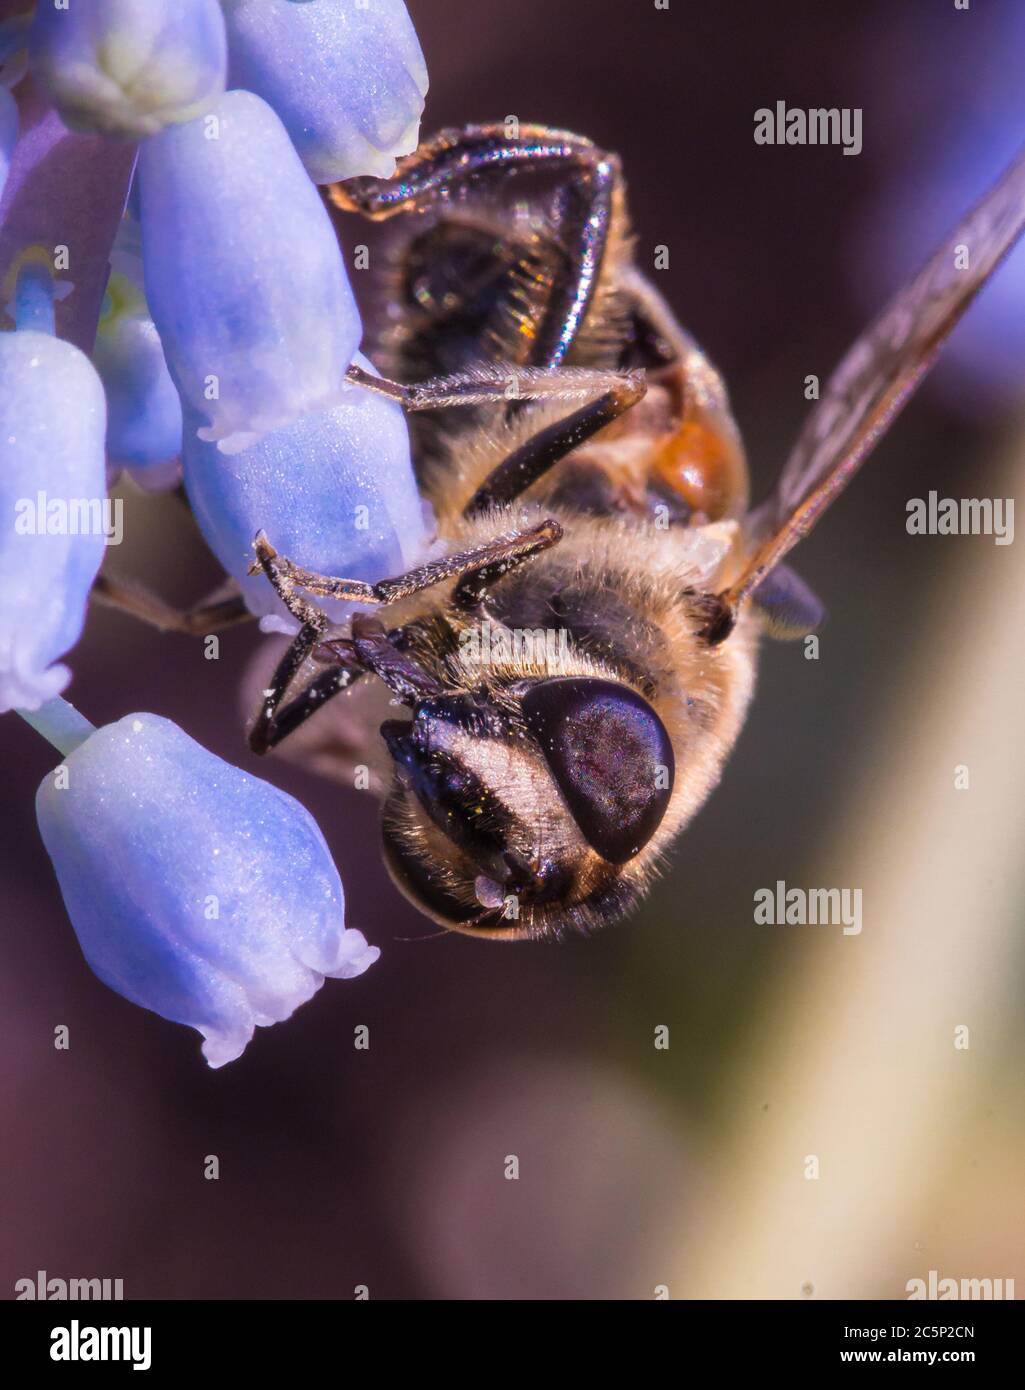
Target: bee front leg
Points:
(286, 577)
(221, 610)
(371, 647)
(275, 719)
(474, 568)
(503, 555)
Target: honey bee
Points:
(588, 479)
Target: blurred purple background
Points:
(385, 1168)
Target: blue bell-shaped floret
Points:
(128, 67)
(53, 496)
(347, 77)
(244, 276)
(334, 491)
(195, 889)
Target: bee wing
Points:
(873, 381)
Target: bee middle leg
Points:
(542, 451)
(490, 383)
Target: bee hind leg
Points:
(456, 160)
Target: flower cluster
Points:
(174, 302)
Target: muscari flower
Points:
(195, 889)
(334, 490)
(347, 77)
(244, 275)
(127, 68)
(144, 418)
(52, 485)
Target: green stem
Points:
(33, 298)
(60, 724)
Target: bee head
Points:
(515, 812)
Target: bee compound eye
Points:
(610, 756)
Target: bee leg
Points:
(475, 568)
(272, 724)
(220, 611)
(506, 553)
(371, 647)
(501, 553)
(286, 577)
(655, 323)
(370, 650)
(480, 154)
(542, 451)
(495, 383)
(377, 650)
(275, 720)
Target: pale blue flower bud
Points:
(128, 67)
(195, 889)
(334, 491)
(8, 133)
(144, 418)
(347, 77)
(52, 494)
(244, 276)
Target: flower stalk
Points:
(60, 724)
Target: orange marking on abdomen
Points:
(704, 463)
